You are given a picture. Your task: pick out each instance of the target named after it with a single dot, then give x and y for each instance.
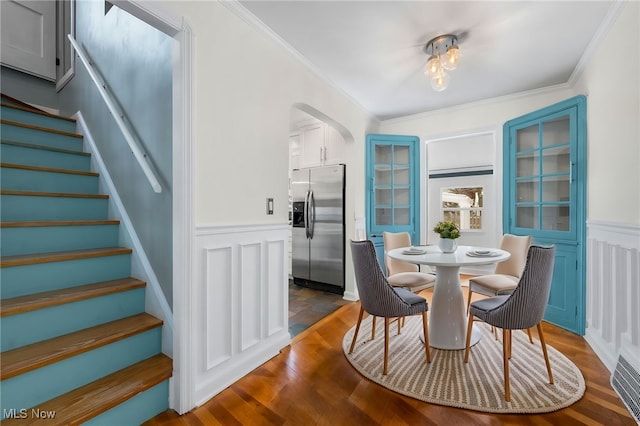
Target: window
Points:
(463, 206)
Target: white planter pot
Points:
(447, 245)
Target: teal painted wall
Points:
(28, 89)
(136, 62)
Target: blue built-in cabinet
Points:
(545, 196)
(393, 187)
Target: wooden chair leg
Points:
(355, 335)
(425, 329)
(399, 324)
(469, 300)
(373, 328)
(468, 343)
(386, 345)
(529, 333)
(544, 351)
(505, 356)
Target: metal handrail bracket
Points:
(124, 128)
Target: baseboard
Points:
(613, 273)
(240, 367)
(238, 303)
(602, 348)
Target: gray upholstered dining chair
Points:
(506, 274)
(380, 299)
(403, 274)
(522, 309)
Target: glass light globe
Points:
(440, 81)
(433, 66)
(451, 58)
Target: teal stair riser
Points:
(38, 137)
(136, 410)
(29, 279)
(42, 324)
(17, 154)
(40, 181)
(40, 120)
(32, 208)
(44, 239)
(33, 388)
(31, 147)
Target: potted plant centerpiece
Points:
(448, 232)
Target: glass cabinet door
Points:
(392, 164)
(545, 197)
(392, 185)
(543, 175)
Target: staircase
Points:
(76, 345)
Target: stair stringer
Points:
(155, 302)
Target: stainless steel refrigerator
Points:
(318, 227)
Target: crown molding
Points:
(487, 101)
(238, 9)
(597, 38)
(243, 13)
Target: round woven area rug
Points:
(478, 385)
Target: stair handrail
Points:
(118, 116)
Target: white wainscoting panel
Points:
(251, 294)
(274, 299)
(217, 306)
(240, 303)
(613, 290)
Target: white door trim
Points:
(153, 13)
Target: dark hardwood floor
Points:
(308, 306)
(311, 383)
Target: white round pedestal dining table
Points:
(447, 310)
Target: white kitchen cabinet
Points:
(312, 145)
(294, 151)
(333, 146)
(320, 144)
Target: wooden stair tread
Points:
(31, 302)
(17, 102)
(27, 358)
(43, 129)
(59, 223)
(59, 256)
(51, 194)
(45, 148)
(47, 169)
(36, 111)
(86, 402)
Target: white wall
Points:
(611, 81)
(481, 117)
(244, 86)
(242, 112)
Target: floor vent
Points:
(626, 382)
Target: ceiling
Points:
(374, 50)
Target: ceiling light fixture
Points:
(444, 55)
